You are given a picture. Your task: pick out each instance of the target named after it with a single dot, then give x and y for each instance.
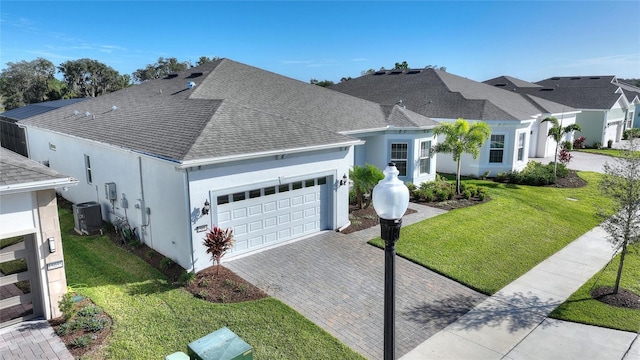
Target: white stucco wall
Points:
(541, 142)
(592, 123)
(477, 167)
(377, 151)
(146, 182)
(211, 181)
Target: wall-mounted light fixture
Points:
(52, 244)
(206, 207)
(344, 180)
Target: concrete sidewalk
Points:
(513, 324)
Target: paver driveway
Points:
(337, 281)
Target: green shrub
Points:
(467, 194)
(187, 277)
(95, 324)
(352, 197)
(166, 263)
(597, 145)
(82, 341)
(412, 189)
(534, 173)
(631, 133)
(63, 329)
(67, 306)
(89, 310)
(567, 145)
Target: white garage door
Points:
(267, 216)
(611, 131)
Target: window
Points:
(223, 199)
(496, 150)
(521, 147)
(269, 191)
(283, 188)
(87, 165)
(254, 193)
(425, 159)
(239, 196)
(399, 155)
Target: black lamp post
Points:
(390, 200)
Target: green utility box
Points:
(221, 344)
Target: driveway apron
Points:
(337, 281)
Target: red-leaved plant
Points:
(565, 156)
(218, 242)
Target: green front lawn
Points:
(153, 319)
(581, 307)
(488, 246)
(606, 151)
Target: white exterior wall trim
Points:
(225, 159)
(38, 185)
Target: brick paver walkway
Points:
(32, 340)
(337, 281)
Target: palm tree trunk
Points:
(458, 179)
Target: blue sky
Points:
(329, 40)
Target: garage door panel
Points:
(270, 222)
(297, 215)
(224, 216)
(297, 200)
(255, 210)
(284, 219)
(269, 206)
(239, 213)
(255, 226)
(255, 241)
(277, 215)
(284, 204)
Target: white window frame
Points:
(496, 149)
(425, 157)
(522, 137)
(88, 171)
(398, 160)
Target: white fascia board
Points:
(386, 128)
(225, 159)
(566, 113)
(37, 185)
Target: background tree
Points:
(323, 83)
(403, 65)
(364, 178)
(556, 132)
(27, 82)
(205, 59)
(621, 182)
(161, 68)
(436, 67)
(90, 78)
(460, 137)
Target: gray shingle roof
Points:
(233, 109)
(579, 92)
(439, 94)
(509, 83)
(17, 169)
(39, 108)
(629, 90)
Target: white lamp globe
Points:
(390, 195)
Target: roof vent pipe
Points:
(191, 84)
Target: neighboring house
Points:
(446, 97)
(633, 97)
(32, 277)
(602, 102)
(228, 145)
(13, 137)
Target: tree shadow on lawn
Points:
(515, 312)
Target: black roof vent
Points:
(555, 78)
(576, 78)
(414, 71)
(380, 72)
(171, 76)
(595, 78)
(396, 72)
(194, 75)
(546, 89)
(500, 84)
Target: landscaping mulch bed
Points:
(220, 285)
(624, 298)
(570, 181)
(98, 339)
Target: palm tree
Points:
(556, 132)
(460, 137)
(364, 179)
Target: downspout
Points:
(187, 193)
(603, 136)
(143, 209)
